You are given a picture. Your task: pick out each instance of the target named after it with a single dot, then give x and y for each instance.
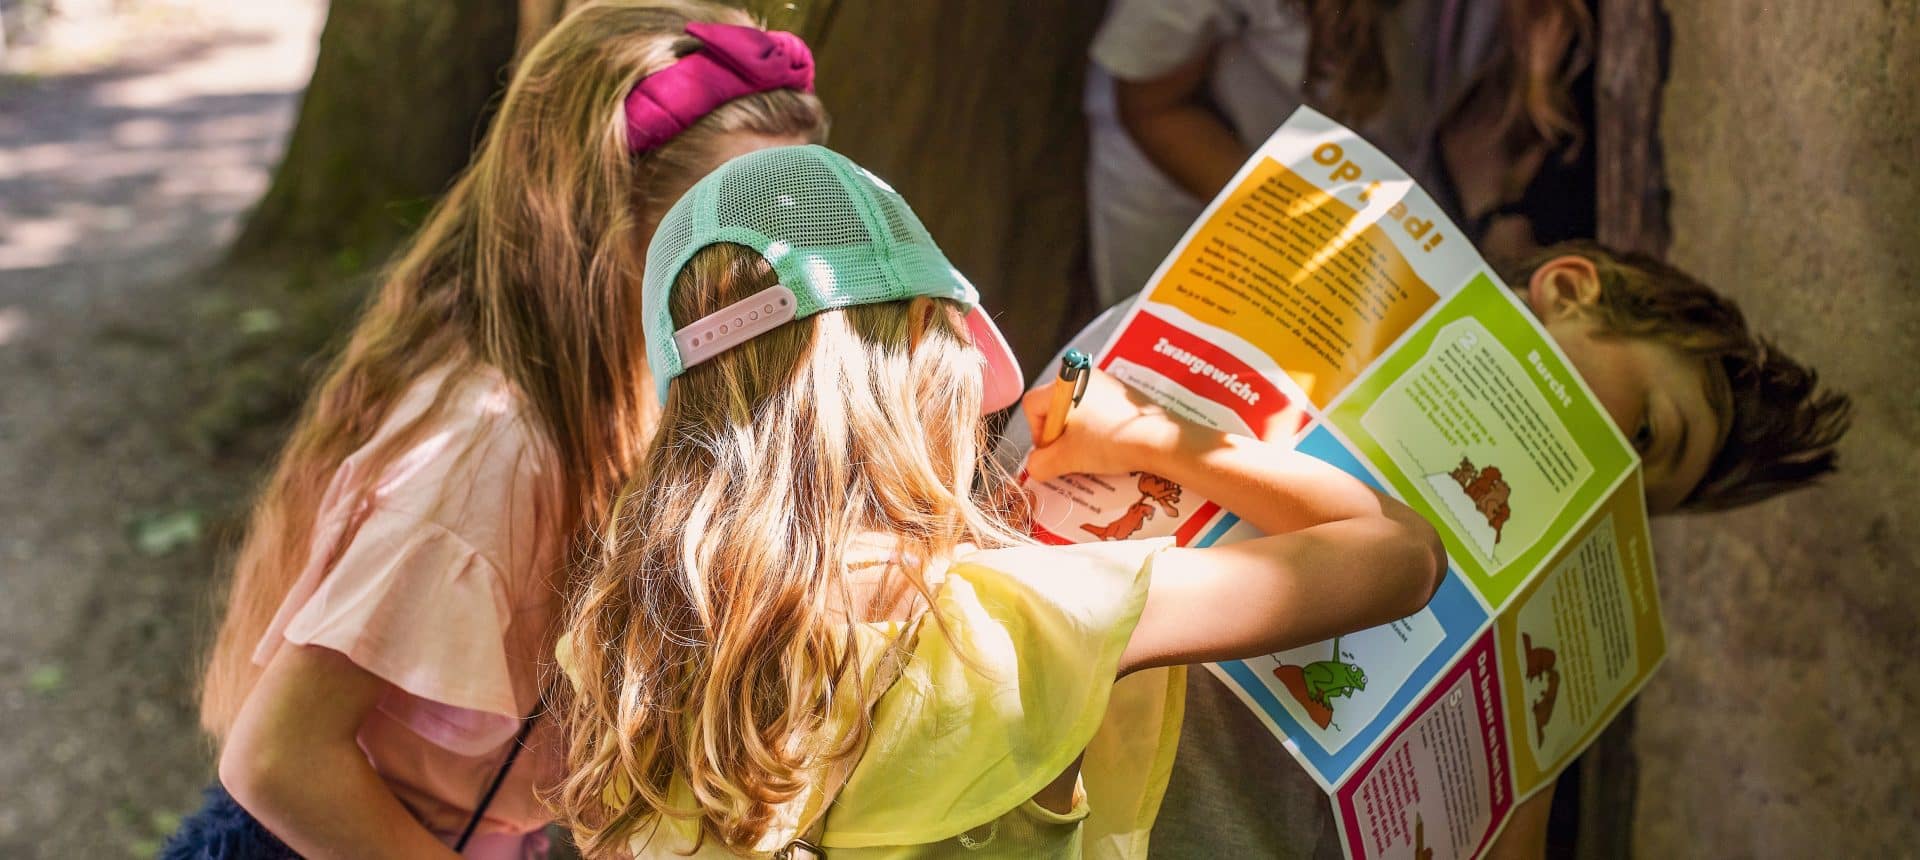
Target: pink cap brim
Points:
(1004, 384)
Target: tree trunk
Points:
(400, 93)
(1632, 197)
(1632, 204)
(972, 111)
(537, 17)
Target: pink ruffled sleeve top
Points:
(443, 582)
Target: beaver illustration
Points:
(1539, 660)
(1540, 664)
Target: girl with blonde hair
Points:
(379, 664)
(810, 629)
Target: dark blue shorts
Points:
(223, 830)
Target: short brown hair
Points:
(1782, 426)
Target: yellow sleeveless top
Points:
(991, 705)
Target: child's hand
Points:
(1114, 430)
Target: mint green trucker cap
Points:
(836, 235)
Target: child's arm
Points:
(1169, 120)
(292, 760)
(1338, 556)
(1525, 836)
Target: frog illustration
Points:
(1331, 679)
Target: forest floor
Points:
(133, 134)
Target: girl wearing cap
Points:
(379, 664)
(811, 630)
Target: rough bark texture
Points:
(973, 113)
(1781, 725)
(399, 95)
(536, 18)
(1631, 190)
(1632, 205)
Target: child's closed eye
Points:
(1643, 436)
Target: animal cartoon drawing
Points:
(1333, 679)
(1463, 474)
(1123, 527)
(1153, 490)
(1492, 502)
(1488, 490)
(1317, 684)
(1540, 662)
(1486, 483)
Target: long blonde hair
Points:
(708, 640)
(531, 265)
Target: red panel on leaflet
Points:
(1209, 371)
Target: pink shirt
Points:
(445, 584)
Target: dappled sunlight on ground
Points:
(165, 143)
(131, 142)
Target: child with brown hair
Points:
(380, 662)
(1720, 416)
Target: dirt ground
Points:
(131, 139)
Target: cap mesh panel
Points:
(836, 234)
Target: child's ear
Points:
(1563, 285)
(919, 317)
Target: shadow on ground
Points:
(118, 185)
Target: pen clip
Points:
(1074, 367)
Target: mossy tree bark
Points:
(972, 111)
(1632, 202)
(399, 96)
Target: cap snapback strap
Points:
(735, 324)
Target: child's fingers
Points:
(1035, 405)
(1044, 463)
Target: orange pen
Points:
(1068, 388)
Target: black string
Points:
(500, 776)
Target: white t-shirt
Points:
(1136, 213)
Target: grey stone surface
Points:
(1782, 723)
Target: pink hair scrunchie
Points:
(733, 61)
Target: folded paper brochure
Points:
(1323, 299)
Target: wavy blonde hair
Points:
(531, 264)
(709, 638)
